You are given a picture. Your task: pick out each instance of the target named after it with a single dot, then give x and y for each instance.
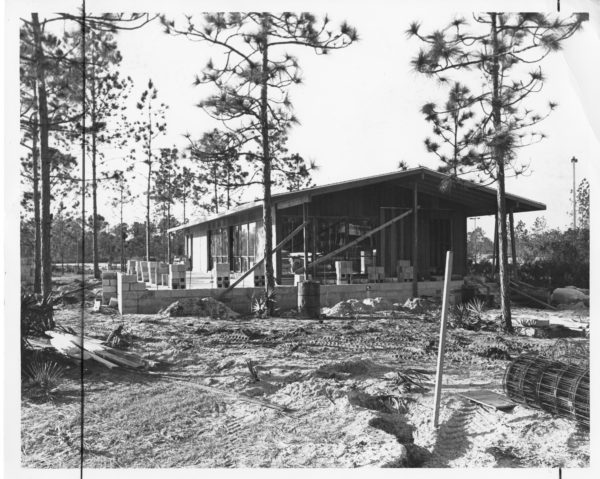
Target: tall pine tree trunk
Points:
(267, 203)
(96, 267)
(94, 206)
(35, 157)
(149, 185)
(168, 234)
(45, 160)
(500, 191)
(122, 235)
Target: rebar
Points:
(553, 386)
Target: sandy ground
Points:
(341, 380)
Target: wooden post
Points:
(415, 248)
(382, 239)
(495, 255)
(305, 242)
(513, 246)
(442, 345)
(314, 249)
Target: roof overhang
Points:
(480, 200)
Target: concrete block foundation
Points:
(140, 301)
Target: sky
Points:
(359, 107)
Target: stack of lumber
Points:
(73, 346)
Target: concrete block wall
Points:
(142, 271)
(177, 276)
(109, 286)
(128, 291)
(132, 266)
(140, 301)
(220, 275)
(151, 268)
(162, 269)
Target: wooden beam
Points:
(415, 246)
(356, 241)
(305, 239)
(314, 249)
(382, 241)
(261, 261)
(513, 246)
(519, 290)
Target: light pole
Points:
(574, 161)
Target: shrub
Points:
(37, 314)
(44, 375)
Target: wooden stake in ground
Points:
(442, 345)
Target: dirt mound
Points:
(204, 307)
(353, 307)
(570, 295)
(378, 304)
(420, 305)
(346, 369)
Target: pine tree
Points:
(219, 166)
(105, 92)
(497, 48)
(144, 131)
(252, 81)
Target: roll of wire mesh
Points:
(553, 386)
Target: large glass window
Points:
(219, 245)
(243, 246)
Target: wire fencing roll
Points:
(553, 386)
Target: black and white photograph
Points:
(282, 237)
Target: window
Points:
(219, 246)
(243, 246)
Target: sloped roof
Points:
(481, 199)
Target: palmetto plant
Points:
(45, 375)
(262, 304)
(476, 307)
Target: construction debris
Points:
(559, 388)
(489, 399)
(72, 346)
(353, 307)
(203, 307)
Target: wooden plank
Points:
(356, 241)
(261, 261)
(489, 399)
(516, 289)
(442, 344)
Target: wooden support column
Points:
(382, 252)
(314, 249)
(305, 242)
(415, 248)
(513, 246)
(393, 248)
(495, 252)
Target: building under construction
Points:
(389, 231)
